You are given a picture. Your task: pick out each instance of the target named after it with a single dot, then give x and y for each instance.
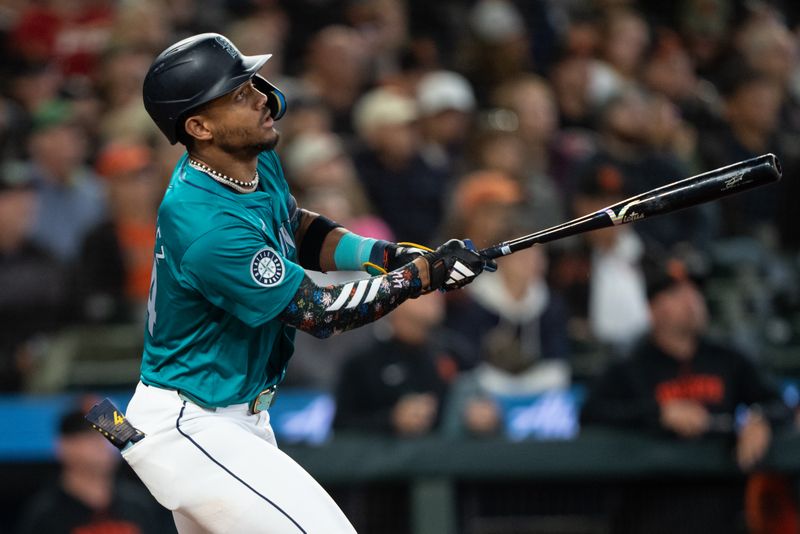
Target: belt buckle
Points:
(263, 400)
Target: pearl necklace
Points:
(238, 185)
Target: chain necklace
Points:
(238, 185)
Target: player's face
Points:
(241, 121)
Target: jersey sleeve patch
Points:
(267, 268)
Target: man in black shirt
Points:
(396, 385)
(682, 382)
(678, 381)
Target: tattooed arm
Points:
(323, 311)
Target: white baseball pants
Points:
(220, 471)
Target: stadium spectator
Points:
(404, 190)
(516, 325)
(752, 104)
(531, 99)
(397, 384)
(322, 173)
(705, 27)
(383, 26)
(680, 381)
(32, 85)
(677, 381)
(625, 143)
(147, 25)
(73, 34)
(600, 272)
(336, 72)
(496, 48)
(69, 196)
(670, 71)
(446, 106)
(490, 206)
(570, 77)
(496, 147)
(115, 263)
(624, 37)
(669, 134)
(34, 285)
(124, 117)
(89, 497)
(483, 205)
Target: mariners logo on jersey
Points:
(267, 267)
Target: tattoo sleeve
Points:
(325, 311)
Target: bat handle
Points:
(496, 251)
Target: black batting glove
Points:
(456, 264)
(386, 256)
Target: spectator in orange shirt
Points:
(116, 258)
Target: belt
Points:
(263, 400)
(260, 403)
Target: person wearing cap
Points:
(405, 190)
(491, 206)
(70, 197)
(446, 104)
(681, 383)
(228, 291)
(679, 380)
(89, 497)
(530, 101)
(600, 272)
(113, 274)
(625, 142)
(512, 327)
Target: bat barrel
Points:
(712, 185)
(685, 193)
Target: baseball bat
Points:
(705, 187)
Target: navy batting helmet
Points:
(197, 70)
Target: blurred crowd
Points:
(419, 121)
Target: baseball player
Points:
(228, 291)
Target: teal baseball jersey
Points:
(224, 267)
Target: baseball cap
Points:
(661, 274)
(383, 107)
(52, 114)
(121, 158)
(444, 90)
(310, 149)
(486, 187)
(496, 21)
(601, 179)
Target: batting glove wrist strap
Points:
(455, 264)
(386, 256)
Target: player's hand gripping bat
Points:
(711, 185)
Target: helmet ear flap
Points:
(276, 100)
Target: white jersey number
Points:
(151, 298)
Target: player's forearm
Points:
(323, 311)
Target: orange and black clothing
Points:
(630, 392)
